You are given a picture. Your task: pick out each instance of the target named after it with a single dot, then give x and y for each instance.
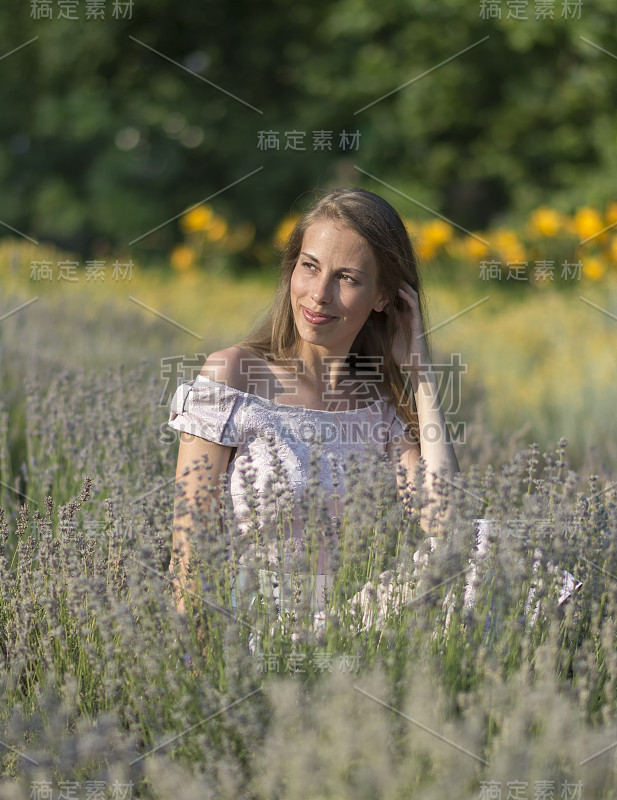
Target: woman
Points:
(349, 293)
(349, 258)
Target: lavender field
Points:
(107, 692)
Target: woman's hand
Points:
(409, 316)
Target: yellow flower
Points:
(182, 257)
(587, 222)
(474, 248)
(508, 246)
(197, 219)
(504, 238)
(436, 232)
(593, 268)
(611, 213)
(545, 221)
(217, 229)
(430, 237)
(424, 249)
(284, 229)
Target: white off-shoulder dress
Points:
(228, 416)
(244, 421)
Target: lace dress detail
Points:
(228, 416)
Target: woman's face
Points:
(336, 274)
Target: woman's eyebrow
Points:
(345, 269)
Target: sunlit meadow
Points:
(412, 693)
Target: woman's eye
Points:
(308, 264)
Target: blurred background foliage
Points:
(104, 139)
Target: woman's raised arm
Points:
(435, 445)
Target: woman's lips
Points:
(316, 319)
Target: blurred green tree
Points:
(112, 127)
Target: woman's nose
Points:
(322, 291)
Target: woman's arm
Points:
(435, 445)
(201, 463)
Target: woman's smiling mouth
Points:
(316, 319)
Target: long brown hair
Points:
(276, 338)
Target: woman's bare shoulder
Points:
(229, 366)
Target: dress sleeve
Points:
(207, 409)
